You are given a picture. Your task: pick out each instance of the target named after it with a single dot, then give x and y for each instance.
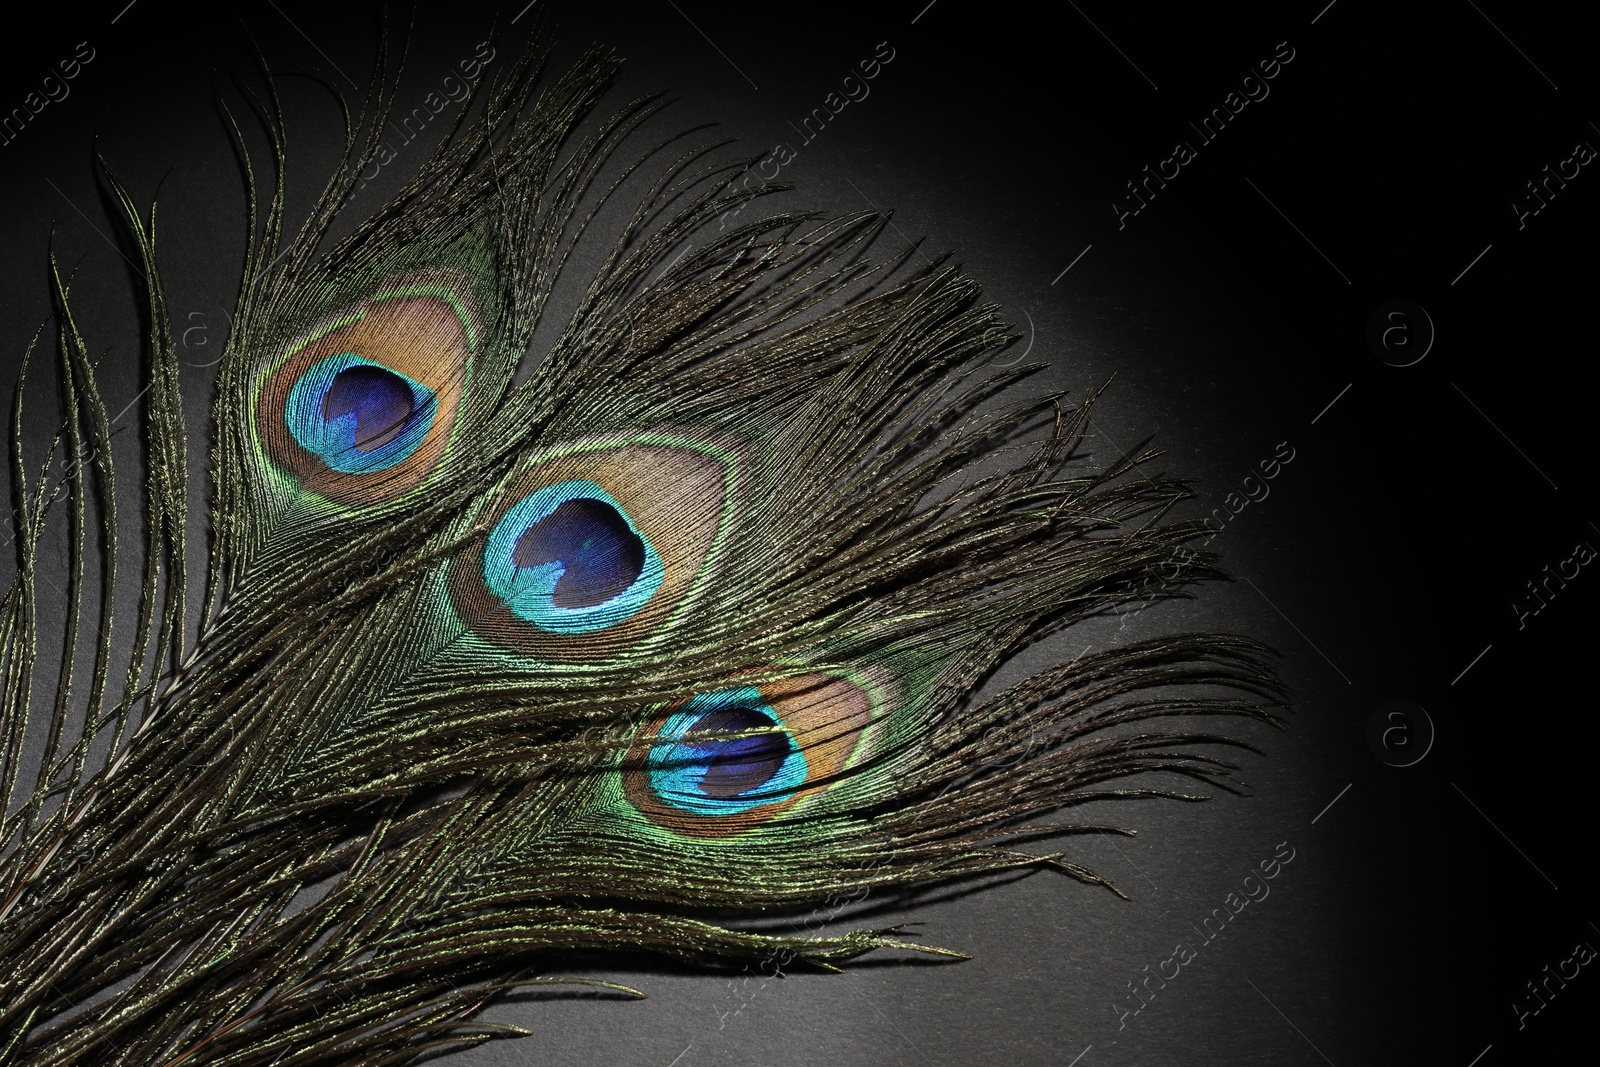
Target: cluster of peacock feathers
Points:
(547, 608)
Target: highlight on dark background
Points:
(1337, 261)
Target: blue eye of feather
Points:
(356, 415)
(711, 775)
(569, 559)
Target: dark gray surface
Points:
(1386, 557)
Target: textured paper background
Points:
(1232, 309)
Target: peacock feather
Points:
(552, 602)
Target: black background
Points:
(1232, 310)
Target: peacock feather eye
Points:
(362, 410)
(706, 763)
(596, 546)
(357, 415)
(567, 559)
(706, 769)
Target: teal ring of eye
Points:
(357, 415)
(680, 771)
(581, 514)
